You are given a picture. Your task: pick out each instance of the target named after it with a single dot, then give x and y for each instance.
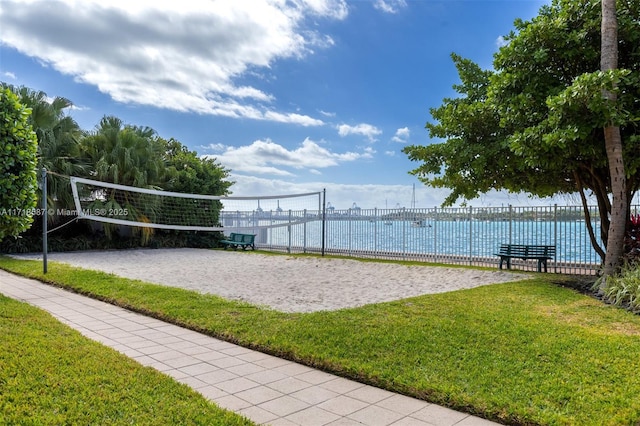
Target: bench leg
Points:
(541, 263)
(502, 259)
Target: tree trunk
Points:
(587, 216)
(613, 144)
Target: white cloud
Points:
(327, 114)
(75, 107)
(367, 130)
(10, 75)
(390, 6)
(215, 147)
(303, 120)
(501, 42)
(402, 135)
(369, 151)
(269, 158)
(341, 196)
(336, 9)
(184, 56)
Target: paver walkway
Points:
(266, 389)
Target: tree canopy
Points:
(58, 137)
(186, 172)
(535, 122)
(113, 152)
(124, 154)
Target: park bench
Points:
(525, 252)
(236, 240)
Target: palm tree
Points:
(126, 155)
(123, 154)
(58, 142)
(613, 144)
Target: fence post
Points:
(350, 235)
(289, 232)
(435, 234)
(304, 231)
(375, 233)
(555, 237)
(510, 223)
(404, 233)
(470, 235)
(324, 220)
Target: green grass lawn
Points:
(528, 352)
(51, 375)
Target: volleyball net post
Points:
(45, 244)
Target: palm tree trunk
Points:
(613, 144)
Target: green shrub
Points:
(624, 289)
(18, 182)
(632, 240)
(78, 236)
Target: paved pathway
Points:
(266, 389)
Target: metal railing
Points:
(469, 236)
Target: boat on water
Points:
(386, 207)
(420, 224)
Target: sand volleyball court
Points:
(284, 283)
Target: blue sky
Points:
(290, 95)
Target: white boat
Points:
(386, 207)
(417, 223)
(420, 224)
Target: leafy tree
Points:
(476, 156)
(18, 181)
(58, 142)
(536, 123)
(188, 173)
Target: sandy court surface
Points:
(284, 283)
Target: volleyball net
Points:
(154, 208)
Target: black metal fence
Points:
(469, 236)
